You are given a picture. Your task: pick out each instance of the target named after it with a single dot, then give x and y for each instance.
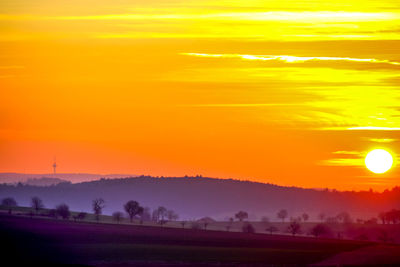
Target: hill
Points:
(12, 177)
(45, 181)
(194, 198)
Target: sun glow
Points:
(378, 161)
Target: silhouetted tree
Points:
(183, 224)
(117, 216)
(62, 210)
(343, 217)
(320, 229)
(305, 217)
(241, 215)
(383, 236)
(160, 214)
(393, 216)
(9, 202)
(271, 229)
(172, 215)
(36, 204)
(282, 214)
(248, 228)
(81, 215)
(371, 221)
(98, 205)
(133, 208)
(294, 228)
(145, 215)
(382, 217)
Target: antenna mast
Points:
(54, 165)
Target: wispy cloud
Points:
(343, 152)
(295, 16)
(374, 128)
(383, 140)
(343, 162)
(245, 105)
(292, 59)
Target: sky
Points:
(287, 92)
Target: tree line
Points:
(133, 210)
(161, 215)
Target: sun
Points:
(378, 161)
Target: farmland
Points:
(98, 244)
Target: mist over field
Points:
(196, 197)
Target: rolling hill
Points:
(193, 197)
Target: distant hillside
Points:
(45, 181)
(12, 177)
(194, 198)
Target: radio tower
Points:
(54, 165)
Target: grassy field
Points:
(90, 243)
(353, 231)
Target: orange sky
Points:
(286, 92)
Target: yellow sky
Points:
(271, 91)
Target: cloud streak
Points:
(303, 16)
(293, 59)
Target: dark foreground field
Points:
(33, 240)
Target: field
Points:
(354, 231)
(39, 240)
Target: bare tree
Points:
(145, 215)
(294, 228)
(172, 215)
(384, 236)
(9, 202)
(98, 205)
(282, 214)
(117, 216)
(160, 214)
(133, 208)
(271, 229)
(63, 211)
(320, 229)
(392, 216)
(81, 215)
(36, 204)
(344, 217)
(241, 215)
(382, 217)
